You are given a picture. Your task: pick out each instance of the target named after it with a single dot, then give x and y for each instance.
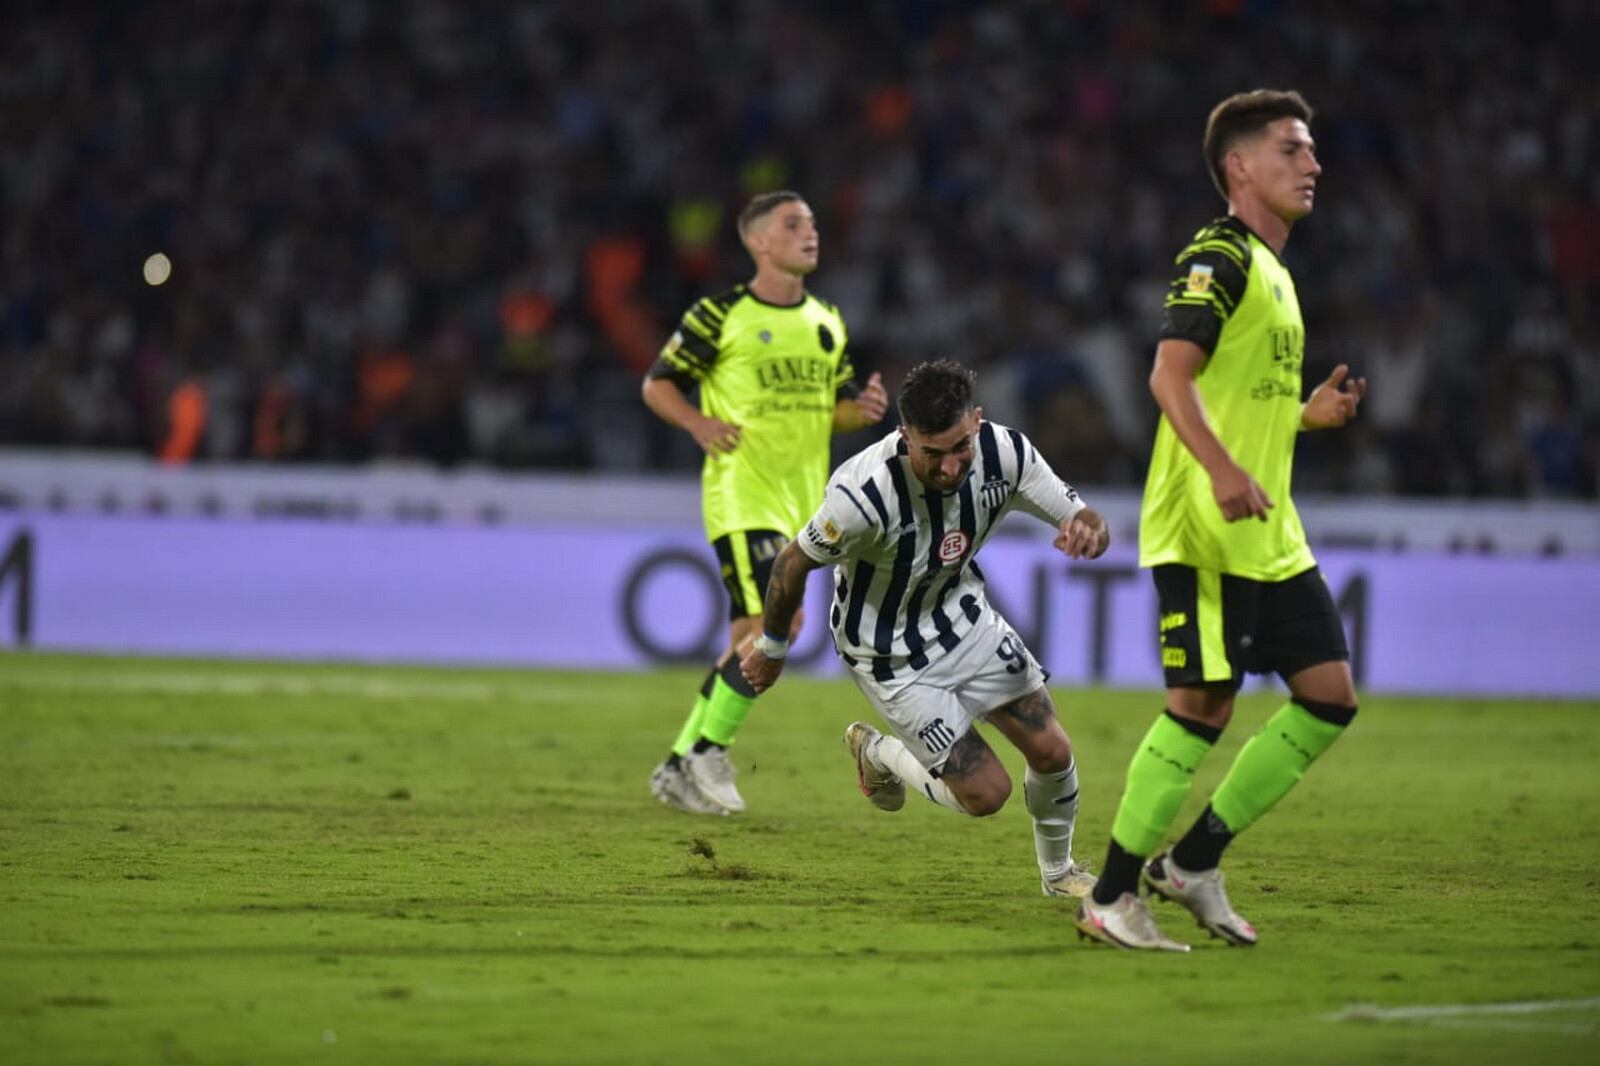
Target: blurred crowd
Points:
(457, 232)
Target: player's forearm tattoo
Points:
(786, 588)
(967, 756)
(1033, 712)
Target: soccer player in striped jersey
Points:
(901, 523)
(775, 381)
(1238, 588)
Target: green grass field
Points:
(237, 862)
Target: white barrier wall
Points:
(626, 597)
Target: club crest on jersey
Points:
(766, 336)
(993, 492)
(1199, 282)
(825, 338)
(953, 546)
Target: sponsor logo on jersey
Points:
(954, 545)
(1199, 282)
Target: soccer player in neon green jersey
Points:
(1238, 588)
(771, 362)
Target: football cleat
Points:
(1125, 923)
(669, 785)
(1202, 894)
(884, 790)
(712, 773)
(1077, 882)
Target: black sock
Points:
(674, 760)
(703, 745)
(1201, 847)
(1120, 875)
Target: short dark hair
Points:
(760, 204)
(1243, 115)
(935, 396)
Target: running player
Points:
(771, 364)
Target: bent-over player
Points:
(901, 523)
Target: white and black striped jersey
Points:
(906, 585)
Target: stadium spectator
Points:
(313, 166)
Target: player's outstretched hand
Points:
(873, 401)
(714, 436)
(1239, 495)
(1334, 402)
(760, 671)
(1084, 536)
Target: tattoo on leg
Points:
(967, 756)
(1033, 712)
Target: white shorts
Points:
(990, 668)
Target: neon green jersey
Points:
(776, 372)
(1234, 298)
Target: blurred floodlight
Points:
(157, 269)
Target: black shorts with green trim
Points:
(745, 559)
(1215, 628)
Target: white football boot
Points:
(669, 785)
(1202, 894)
(712, 773)
(1124, 924)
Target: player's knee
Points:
(1339, 714)
(1052, 753)
(986, 797)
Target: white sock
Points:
(895, 757)
(1052, 799)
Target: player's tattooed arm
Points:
(786, 589)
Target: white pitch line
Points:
(1455, 1014)
(196, 684)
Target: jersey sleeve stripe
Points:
(851, 497)
(874, 497)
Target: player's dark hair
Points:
(760, 204)
(1244, 115)
(935, 396)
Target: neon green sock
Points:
(1271, 763)
(1158, 780)
(725, 712)
(691, 726)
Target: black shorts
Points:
(745, 559)
(1215, 628)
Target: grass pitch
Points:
(239, 862)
